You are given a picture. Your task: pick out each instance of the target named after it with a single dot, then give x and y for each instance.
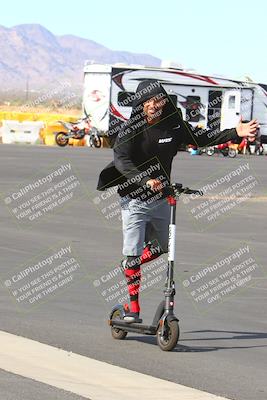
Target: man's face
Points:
(154, 106)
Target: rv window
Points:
(173, 99)
(214, 109)
(215, 99)
(231, 102)
(193, 107)
(125, 99)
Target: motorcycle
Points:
(224, 149)
(78, 130)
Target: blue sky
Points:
(226, 37)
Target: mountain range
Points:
(32, 56)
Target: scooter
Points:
(165, 324)
(224, 149)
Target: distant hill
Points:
(31, 52)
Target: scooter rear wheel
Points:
(170, 337)
(117, 333)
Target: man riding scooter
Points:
(143, 153)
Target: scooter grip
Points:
(193, 191)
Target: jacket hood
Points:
(146, 90)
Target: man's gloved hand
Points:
(155, 185)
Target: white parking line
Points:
(95, 380)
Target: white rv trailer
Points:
(205, 101)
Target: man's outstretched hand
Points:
(247, 129)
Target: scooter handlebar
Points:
(175, 189)
(192, 191)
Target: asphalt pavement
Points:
(223, 344)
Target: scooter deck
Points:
(134, 327)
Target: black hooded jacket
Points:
(143, 151)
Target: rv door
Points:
(236, 103)
(96, 98)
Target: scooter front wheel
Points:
(117, 333)
(169, 339)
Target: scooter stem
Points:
(169, 291)
(171, 245)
